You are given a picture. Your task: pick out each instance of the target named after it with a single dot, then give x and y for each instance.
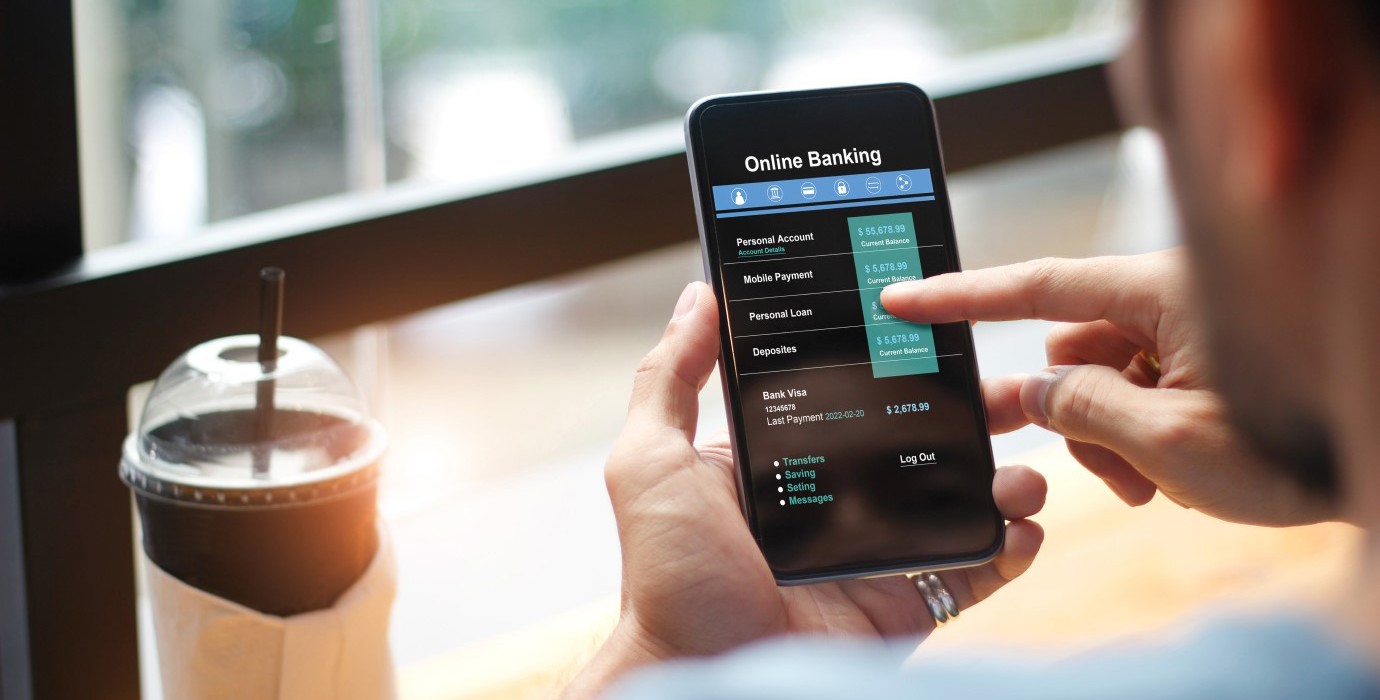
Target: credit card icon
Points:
(807, 190)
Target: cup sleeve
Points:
(210, 647)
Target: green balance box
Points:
(884, 252)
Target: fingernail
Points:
(1035, 392)
(686, 301)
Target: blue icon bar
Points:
(822, 190)
(827, 205)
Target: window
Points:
(194, 113)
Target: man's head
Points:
(1270, 115)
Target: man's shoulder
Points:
(1236, 658)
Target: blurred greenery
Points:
(267, 73)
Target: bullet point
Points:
(778, 476)
(780, 490)
(783, 503)
(776, 464)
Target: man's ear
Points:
(1283, 67)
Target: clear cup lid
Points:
(203, 436)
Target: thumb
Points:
(1094, 404)
(666, 389)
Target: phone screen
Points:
(861, 439)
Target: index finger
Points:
(1113, 288)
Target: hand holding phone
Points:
(694, 581)
(860, 438)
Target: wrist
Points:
(627, 649)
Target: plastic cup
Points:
(279, 519)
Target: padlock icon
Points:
(841, 187)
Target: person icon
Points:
(739, 196)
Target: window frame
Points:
(78, 329)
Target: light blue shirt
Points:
(1245, 658)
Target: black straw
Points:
(270, 327)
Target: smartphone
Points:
(861, 439)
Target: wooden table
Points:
(1107, 572)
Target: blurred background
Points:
(203, 110)
(201, 119)
(197, 114)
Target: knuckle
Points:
(1057, 341)
(646, 376)
(1039, 279)
(1183, 425)
(1172, 429)
(1076, 403)
(1042, 273)
(658, 371)
(649, 365)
